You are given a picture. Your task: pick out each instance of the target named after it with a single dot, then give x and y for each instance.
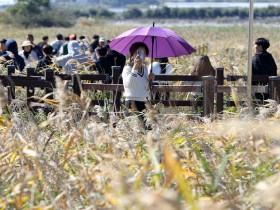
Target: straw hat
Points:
(27, 43)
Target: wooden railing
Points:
(212, 88)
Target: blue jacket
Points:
(11, 46)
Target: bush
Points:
(34, 13)
(104, 13)
(203, 13)
(132, 13)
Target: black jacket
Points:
(44, 62)
(264, 64)
(103, 66)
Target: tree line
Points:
(32, 13)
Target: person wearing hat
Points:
(101, 43)
(36, 48)
(29, 56)
(73, 37)
(136, 79)
(2, 47)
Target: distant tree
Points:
(123, 3)
(104, 13)
(27, 13)
(132, 13)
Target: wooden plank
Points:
(241, 89)
(177, 78)
(255, 78)
(156, 88)
(109, 87)
(177, 88)
(25, 83)
(180, 103)
(23, 78)
(101, 77)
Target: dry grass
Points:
(69, 160)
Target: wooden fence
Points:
(212, 88)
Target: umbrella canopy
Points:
(166, 43)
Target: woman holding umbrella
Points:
(136, 79)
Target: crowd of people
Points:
(69, 52)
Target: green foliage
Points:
(105, 13)
(120, 3)
(33, 13)
(209, 13)
(30, 13)
(133, 13)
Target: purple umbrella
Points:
(162, 42)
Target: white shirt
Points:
(32, 58)
(136, 84)
(157, 70)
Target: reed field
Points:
(70, 160)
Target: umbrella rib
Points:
(172, 49)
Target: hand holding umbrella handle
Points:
(151, 79)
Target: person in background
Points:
(3, 46)
(64, 48)
(46, 61)
(45, 40)
(102, 64)
(116, 58)
(12, 57)
(84, 45)
(57, 44)
(73, 37)
(136, 79)
(101, 43)
(202, 67)
(36, 48)
(28, 54)
(263, 63)
(161, 66)
(73, 60)
(94, 43)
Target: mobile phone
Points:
(141, 54)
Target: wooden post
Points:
(76, 84)
(274, 88)
(30, 90)
(11, 69)
(49, 78)
(116, 73)
(220, 96)
(208, 95)
(11, 88)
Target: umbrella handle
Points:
(153, 40)
(151, 85)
